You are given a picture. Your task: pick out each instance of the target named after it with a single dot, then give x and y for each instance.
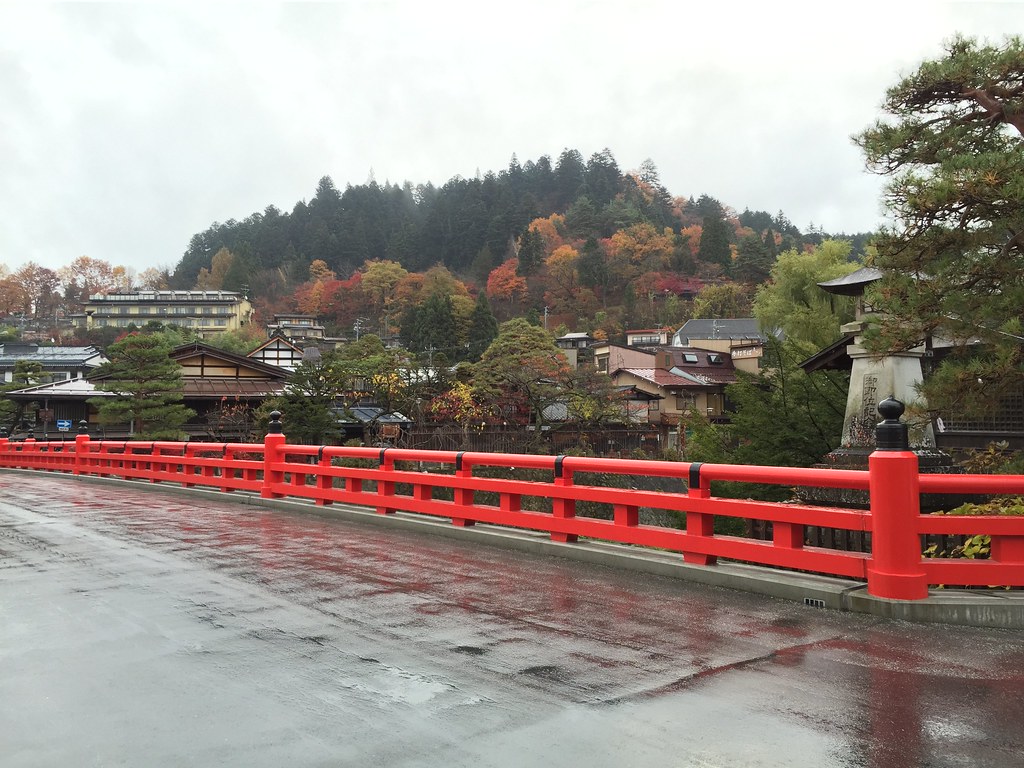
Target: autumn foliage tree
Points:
(520, 373)
(505, 284)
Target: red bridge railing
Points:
(443, 484)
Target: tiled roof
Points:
(658, 376)
(50, 357)
(730, 328)
(193, 389)
(679, 378)
(70, 388)
(196, 388)
(708, 376)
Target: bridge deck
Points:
(138, 628)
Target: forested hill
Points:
(578, 243)
(471, 226)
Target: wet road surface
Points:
(144, 629)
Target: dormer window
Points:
(714, 358)
(690, 357)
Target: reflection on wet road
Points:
(138, 628)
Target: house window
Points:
(602, 364)
(652, 405)
(686, 402)
(690, 357)
(714, 358)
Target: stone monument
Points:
(874, 378)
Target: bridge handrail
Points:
(390, 480)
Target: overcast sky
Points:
(125, 128)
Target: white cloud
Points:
(129, 127)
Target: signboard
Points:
(63, 425)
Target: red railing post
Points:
(563, 508)
(273, 454)
(81, 449)
(324, 481)
(385, 488)
(895, 570)
(5, 443)
(463, 496)
(699, 524)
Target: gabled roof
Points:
(852, 284)
(365, 414)
(834, 357)
(193, 388)
(730, 328)
(707, 376)
(279, 340)
(186, 351)
(49, 357)
(264, 380)
(70, 389)
(678, 378)
(632, 392)
(657, 376)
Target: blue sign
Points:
(63, 425)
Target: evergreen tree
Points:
(570, 178)
(531, 252)
(431, 326)
(813, 405)
(483, 327)
(26, 374)
(953, 144)
(147, 387)
(307, 405)
(592, 265)
(581, 220)
(603, 179)
(753, 261)
(714, 242)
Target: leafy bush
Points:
(978, 546)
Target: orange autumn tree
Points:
(563, 277)
(551, 231)
(505, 285)
(313, 296)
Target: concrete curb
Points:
(1000, 609)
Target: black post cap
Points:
(83, 427)
(891, 434)
(275, 427)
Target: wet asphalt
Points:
(146, 629)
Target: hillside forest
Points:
(572, 245)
